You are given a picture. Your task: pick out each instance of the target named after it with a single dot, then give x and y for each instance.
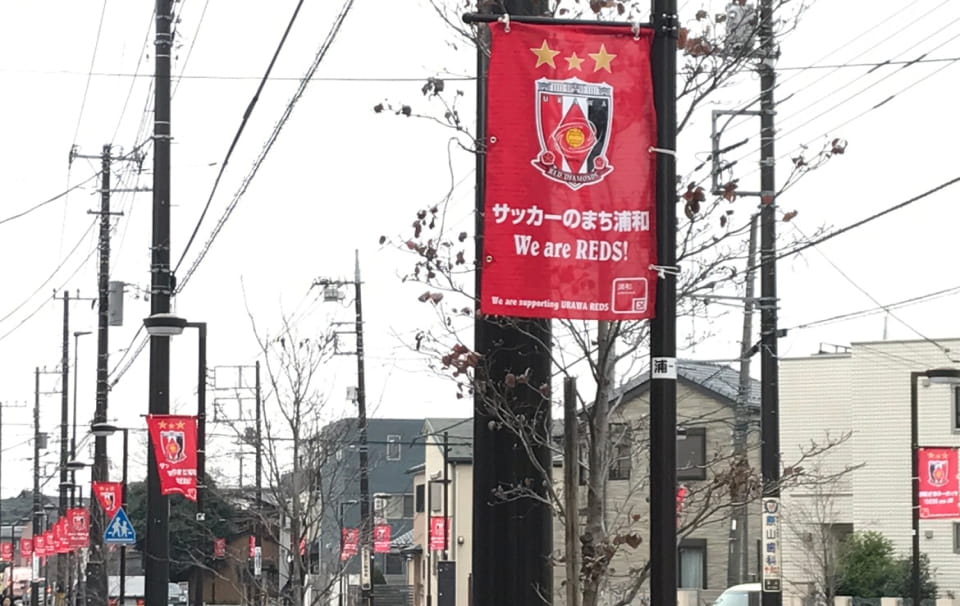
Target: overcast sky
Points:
(340, 175)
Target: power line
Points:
(239, 78)
(321, 53)
(855, 315)
(866, 220)
(886, 63)
(143, 48)
(193, 41)
(236, 136)
(93, 59)
(50, 200)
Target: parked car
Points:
(747, 594)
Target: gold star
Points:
(181, 425)
(162, 424)
(544, 55)
(573, 61)
(602, 59)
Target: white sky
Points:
(340, 176)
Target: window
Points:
(393, 564)
(692, 568)
(956, 537)
(436, 496)
(408, 506)
(393, 448)
(621, 462)
(956, 408)
(418, 499)
(692, 455)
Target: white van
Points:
(747, 594)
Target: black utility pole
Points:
(157, 543)
(123, 503)
(518, 570)
(96, 566)
(769, 373)
(366, 526)
(73, 435)
(663, 327)
(64, 423)
(37, 505)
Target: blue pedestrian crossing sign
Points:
(120, 530)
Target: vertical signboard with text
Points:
(772, 577)
(569, 185)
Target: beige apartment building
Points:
(857, 400)
(707, 397)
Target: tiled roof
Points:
(717, 378)
(459, 434)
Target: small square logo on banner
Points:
(629, 295)
(664, 368)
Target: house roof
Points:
(459, 434)
(719, 379)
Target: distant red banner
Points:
(61, 540)
(6, 552)
(26, 548)
(50, 545)
(438, 533)
(252, 546)
(939, 485)
(78, 519)
(381, 538)
(569, 223)
(219, 548)
(349, 542)
(40, 545)
(174, 441)
(109, 495)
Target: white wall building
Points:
(865, 392)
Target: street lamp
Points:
(171, 325)
(105, 430)
(939, 376)
(340, 520)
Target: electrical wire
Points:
(864, 221)
(236, 137)
(93, 59)
(193, 41)
(50, 200)
(321, 53)
(224, 77)
(136, 73)
(870, 311)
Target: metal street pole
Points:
(365, 519)
(769, 360)
(123, 504)
(73, 437)
(201, 444)
(663, 330)
(259, 484)
(60, 586)
(157, 541)
(915, 487)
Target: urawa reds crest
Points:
(573, 125)
(172, 442)
(937, 472)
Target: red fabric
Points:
(381, 538)
(26, 548)
(569, 226)
(109, 495)
(349, 541)
(438, 533)
(78, 519)
(6, 551)
(252, 546)
(174, 439)
(50, 545)
(939, 485)
(219, 548)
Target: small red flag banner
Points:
(939, 485)
(252, 546)
(219, 548)
(381, 538)
(78, 519)
(26, 548)
(349, 542)
(109, 496)
(6, 551)
(174, 439)
(438, 533)
(569, 225)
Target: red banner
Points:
(109, 495)
(381, 538)
(26, 548)
(569, 225)
(49, 545)
(40, 545)
(174, 441)
(349, 542)
(6, 552)
(681, 497)
(252, 546)
(62, 536)
(219, 548)
(79, 525)
(438, 533)
(939, 485)
(303, 546)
